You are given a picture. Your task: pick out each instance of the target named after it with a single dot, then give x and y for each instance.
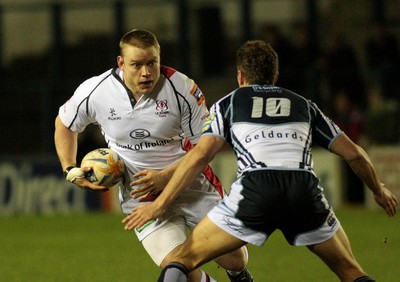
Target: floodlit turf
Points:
(94, 247)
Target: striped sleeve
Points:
(217, 122)
(324, 129)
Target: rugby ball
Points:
(107, 167)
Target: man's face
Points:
(141, 68)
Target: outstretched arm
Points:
(187, 171)
(362, 166)
(149, 183)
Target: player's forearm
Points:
(358, 161)
(189, 168)
(169, 171)
(186, 172)
(364, 169)
(66, 143)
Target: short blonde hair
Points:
(140, 38)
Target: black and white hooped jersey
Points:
(148, 133)
(270, 127)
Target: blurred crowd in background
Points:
(362, 101)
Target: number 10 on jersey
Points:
(274, 107)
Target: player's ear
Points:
(276, 77)
(120, 62)
(240, 78)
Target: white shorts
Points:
(161, 236)
(159, 243)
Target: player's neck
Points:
(137, 96)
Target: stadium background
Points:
(47, 48)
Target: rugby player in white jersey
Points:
(271, 130)
(149, 114)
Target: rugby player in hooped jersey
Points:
(150, 115)
(276, 186)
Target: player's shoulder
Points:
(96, 84)
(108, 73)
(175, 76)
(94, 81)
(224, 102)
(181, 83)
(292, 93)
(168, 72)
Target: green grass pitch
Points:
(94, 247)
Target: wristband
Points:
(67, 170)
(73, 173)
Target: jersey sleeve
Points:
(325, 131)
(75, 112)
(194, 111)
(218, 121)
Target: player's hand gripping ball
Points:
(107, 167)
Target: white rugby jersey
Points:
(148, 133)
(270, 127)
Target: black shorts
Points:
(291, 201)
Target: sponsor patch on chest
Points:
(161, 108)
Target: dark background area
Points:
(320, 54)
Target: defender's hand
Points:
(141, 215)
(150, 182)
